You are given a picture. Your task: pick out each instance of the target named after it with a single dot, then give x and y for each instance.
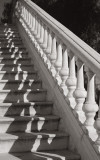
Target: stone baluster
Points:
(38, 30)
(90, 107)
(27, 18)
(64, 70)
(26, 21)
(44, 45)
(33, 23)
(71, 81)
(53, 55)
(40, 39)
(36, 27)
(29, 25)
(80, 93)
(22, 14)
(97, 123)
(58, 63)
(30, 21)
(25, 14)
(49, 47)
(41, 34)
(34, 30)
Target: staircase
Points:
(28, 128)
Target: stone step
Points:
(21, 75)
(49, 155)
(16, 67)
(33, 141)
(8, 38)
(17, 54)
(9, 35)
(18, 47)
(32, 108)
(10, 43)
(15, 60)
(22, 95)
(28, 123)
(8, 26)
(20, 84)
(8, 46)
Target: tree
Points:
(81, 16)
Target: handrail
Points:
(70, 61)
(88, 54)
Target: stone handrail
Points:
(73, 64)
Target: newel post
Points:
(90, 107)
(80, 93)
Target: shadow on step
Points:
(27, 126)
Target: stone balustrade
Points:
(73, 64)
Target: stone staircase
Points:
(28, 128)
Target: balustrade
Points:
(65, 56)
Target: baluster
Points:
(42, 34)
(80, 93)
(32, 29)
(90, 107)
(36, 26)
(33, 23)
(41, 39)
(44, 45)
(97, 123)
(38, 36)
(26, 22)
(24, 14)
(38, 30)
(28, 18)
(71, 81)
(58, 63)
(64, 71)
(53, 56)
(35, 31)
(30, 26)
(30, 21)
(49, 47)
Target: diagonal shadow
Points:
(26, 125)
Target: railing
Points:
(72, 63)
